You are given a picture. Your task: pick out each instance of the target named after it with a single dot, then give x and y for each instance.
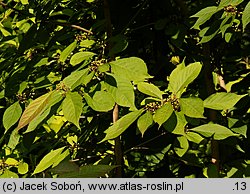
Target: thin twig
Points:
(72, 26)
(133, 18)
(145, 142)
(118, 144)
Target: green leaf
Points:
(87, 43)
(11, 115)
(119, 44)
(65, 167)
(76, 78)
(225, 3)
(242, 130)
(150, 89)
(182, 147)
(23, 168)
(55, 98)
(102, 101)
(222, 100)
(218, 132)
(14, 139)
(144, 122)
(163, 114)
(228, 36)
(121, 90)
(88, 171)
(67, 51)
(132, 69)
(80, 57)
(180, 125)
(177, 83)
(208, 33)
(48, 160)
(121, 125)
(203, 16)
(42, 62)
(35, 122)
(104, 68)
(8, 174)
(192, 107)
(34, 109)
(4, 32)
(25, 2)
(11, 161)
(246, 16)
(60, 158)
(231, 122)
(72, 107)
(194, 137)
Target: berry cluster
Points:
(80, 37)
(230, 9)
(152, 107)
(95, 64)
(63, 88)
(23, 97)
(176, 104)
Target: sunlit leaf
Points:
(194, 137)
(56, 97)
(203, 16)
(177, 83)
(23, 168)
(181, 146)
(121, 125)
(14, 139)
(246, 16)
(48, 160)
(80, 57)
(222, 100)
(11, 115)
(132, 69)
(76, 78)
(102, 101)
(67, 51)
(72, 107)
(145, 121)
(8, 174)
(225, 3)
(192, 107)
(34, 109)
(150, 89)
(121, 90)
(163, 114)
(218, 132)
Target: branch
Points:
(118, 144)
(72, 26)
(210, 88)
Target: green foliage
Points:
(217, 131)
(162, 114)
(144, 122)
(72, 107)
(182, 77)
(222, 100)
(179, 80)
(11, 115)
(121, 125)
(246, 16)
(50, 159)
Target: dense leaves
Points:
(166, 80)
